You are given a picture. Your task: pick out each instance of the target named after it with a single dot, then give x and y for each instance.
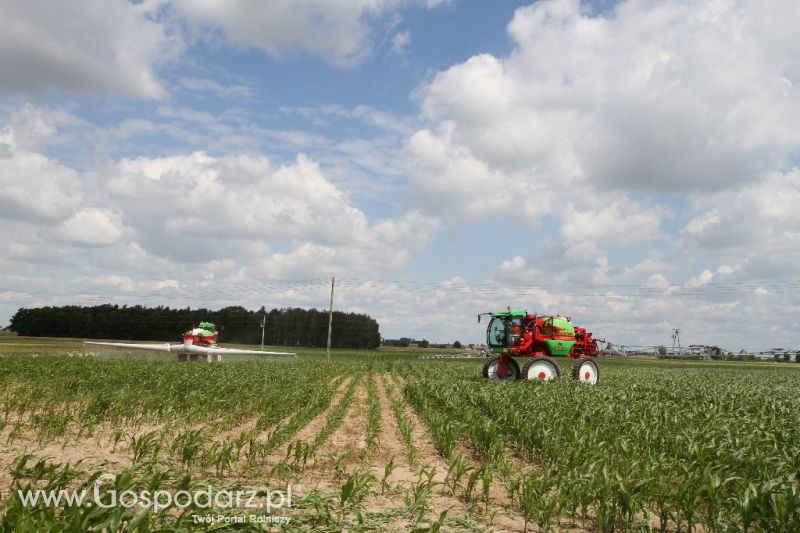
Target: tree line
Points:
(405, 342)
(284, 327)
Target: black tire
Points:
(490, 369)
(541, 369)
(586, 371)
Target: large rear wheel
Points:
(586, 371)
(494, 369)
(541, 369)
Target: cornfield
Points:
(378, 440)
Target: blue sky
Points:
(632, 164)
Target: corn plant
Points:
(145, 446)
(418, 496)
(403, 423)
(457, 468)
(353, 491)
(336, 415)
(387, 471)
(299, 452)
(373, 417)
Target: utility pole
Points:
(676, 338)
(330, 319)
(263, 325)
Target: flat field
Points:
(383, 441)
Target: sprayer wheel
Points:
(492, 365)
(586, 371)
(541, 369)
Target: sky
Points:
(634, 165)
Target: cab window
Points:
(496, 334)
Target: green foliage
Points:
(690, 446)
(355, 489)
(435, 526)
(336, 415)
(387, 471)
(81, 393)
(83, 515)
(400, 343)
(403, 423)
(710, 445)
(285, 327)
(373, 417)
(405, 342)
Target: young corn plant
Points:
(299, 452)
(222, 456)
(373, 417)
(434, 526)
(355, 489)
(117, 437)
(417, 498)
(336, 415)
(188, 445)
(403, 423)
(457, 468)
(472, 482)
(486, 484)
(387, 471)
(145, 446)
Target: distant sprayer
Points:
(199, 344)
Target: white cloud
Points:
(701, 225)
(658, 97)
(586, 125)
(757, 224)
(701, 279)
(134, 258)
(96, 45)
(379, 118)
(448, 178)
(242, 199)
(756, 216)
(189, 115)
(657, 281)
(220, 90)
(515, 264)
(621, 223)
(32, 186)
(91, 227)
(118, 46)
(601, 124)
(30, 127)
(370, 165)
(337, 31)
(108, 281)
(400, 42)
(156, 230)
(243, 196)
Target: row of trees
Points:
(284, 327)
(405, 342)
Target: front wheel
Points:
(494, 370)
(586, 371)
(541, 369)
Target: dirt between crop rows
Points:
(337, 456)
(344, 451)
(98, 449)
